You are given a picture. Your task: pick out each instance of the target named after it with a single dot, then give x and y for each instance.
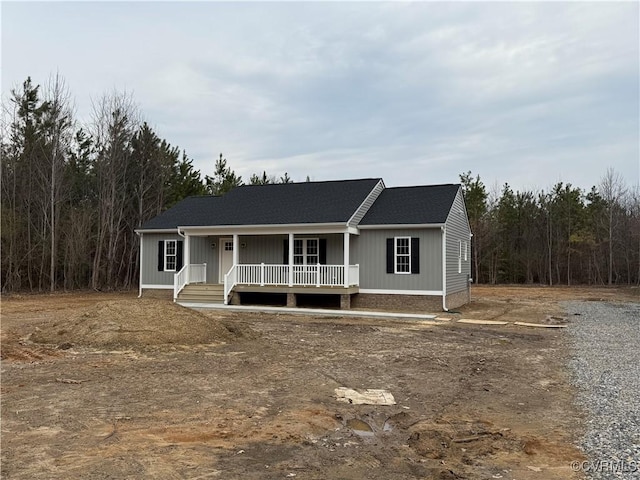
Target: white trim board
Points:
(375, 192)
(158, 230)
(403, 226)
(298, 229)
(157, 287)
(376, 291)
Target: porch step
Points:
(203, 293)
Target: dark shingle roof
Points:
(190, 209)
(412, 205)
(280, 204)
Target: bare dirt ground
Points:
(256, 400)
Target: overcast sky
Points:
(416, 93)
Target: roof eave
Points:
(155, 230)
(392, 226)
(270, 229)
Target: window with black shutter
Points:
(403, 255)
(170, 255)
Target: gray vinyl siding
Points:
(149, 263)
(458, 230)
(369, 250)
(366, 205)
(269, 249)
(202, 251)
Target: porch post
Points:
(291, 259)
(187, 256)
(236, 250)
(346, 259)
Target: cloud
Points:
(517, 92)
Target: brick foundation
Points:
(235, 299)
(291, 300)
(408, 303)
(345, 301)
(398, 303)
(455, 300)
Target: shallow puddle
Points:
(360, 428)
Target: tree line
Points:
(561, 236)
(73, 193)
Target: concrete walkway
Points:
(306, 311)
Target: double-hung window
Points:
(403, 254)
(170, 255)
(306, 251)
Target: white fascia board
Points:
(377, 291)
(374, 191)
(318, 228)
(400, 226)
(159, 230)
(464, 211)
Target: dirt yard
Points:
(111, 395)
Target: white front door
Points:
(226, 257)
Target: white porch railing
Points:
(303, 275)
(354, 275)
(196, 273)
(230, 280)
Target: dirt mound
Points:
(14, 348)
(140, 322)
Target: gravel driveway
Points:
(606, 369)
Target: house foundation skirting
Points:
(409, 303)
(398, 303)
(455, 300)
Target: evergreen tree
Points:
(224, 179)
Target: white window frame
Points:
(397, 255)
(305, 249)
(459, 256)
(466, 248)
(174, 255)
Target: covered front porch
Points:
(245, 262)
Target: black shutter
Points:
(161, 255)
(285, 252)
(390, 256)
(322, 258)
(415, 255)
(179, 255)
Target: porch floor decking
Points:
(306, 289)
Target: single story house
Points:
(366, 245)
